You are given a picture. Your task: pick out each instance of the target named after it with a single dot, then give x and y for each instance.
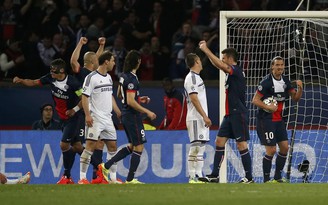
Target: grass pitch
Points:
(168, 194)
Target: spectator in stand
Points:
(239, 4)
(161, 23)
(12, 59)
(161, 56)
(33, 62)
(59, 43)
(64, 28)
(210, 73)
(120, 52)
(179, 70)
(96, 29)
(114, 20)
(47, 122)
(134, 37)
(47, 51)
(181, 36)
(98, 8)
(82, 26)
(175, 106)
(11, 17)
(146, 71)
(73, 10)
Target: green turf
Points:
(190, 194)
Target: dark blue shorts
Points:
(73, 129)
(235, 126)
(134, 129)
(270, 133)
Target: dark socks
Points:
(121, 154)
(218, 158)
(68, 160)
(267, 163)
(280, 163)
(134, 163)
(247, 163)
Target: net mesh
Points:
(303, 45)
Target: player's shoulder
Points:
(192, 78)
(266, 79)
(129, 77)
(285, 79)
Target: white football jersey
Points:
(194, 84)
(99, 89)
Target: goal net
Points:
(301, 39)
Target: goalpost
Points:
(301, 38)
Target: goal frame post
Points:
(223, 41)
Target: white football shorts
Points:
(103, 129)
(197, 130)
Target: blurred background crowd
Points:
(34, 32)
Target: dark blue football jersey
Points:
(65, 93)
(279, 90)
(80, 76)
(235, 86)
(129, 83)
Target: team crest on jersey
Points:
(130, 86)
(201, 136)
(91, 135)
(260, 88)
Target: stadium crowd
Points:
(35, 32)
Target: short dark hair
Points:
(104, 56)
(191, 59)
(45, 105)
(276, 58)
(231, 52)
(131, 60)
(59, 64)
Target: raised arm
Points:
(102, 42)
(218, 63)
(76, 54)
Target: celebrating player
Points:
(235, 121)
(66, 92)
(270, 126)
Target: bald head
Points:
(90, 60)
